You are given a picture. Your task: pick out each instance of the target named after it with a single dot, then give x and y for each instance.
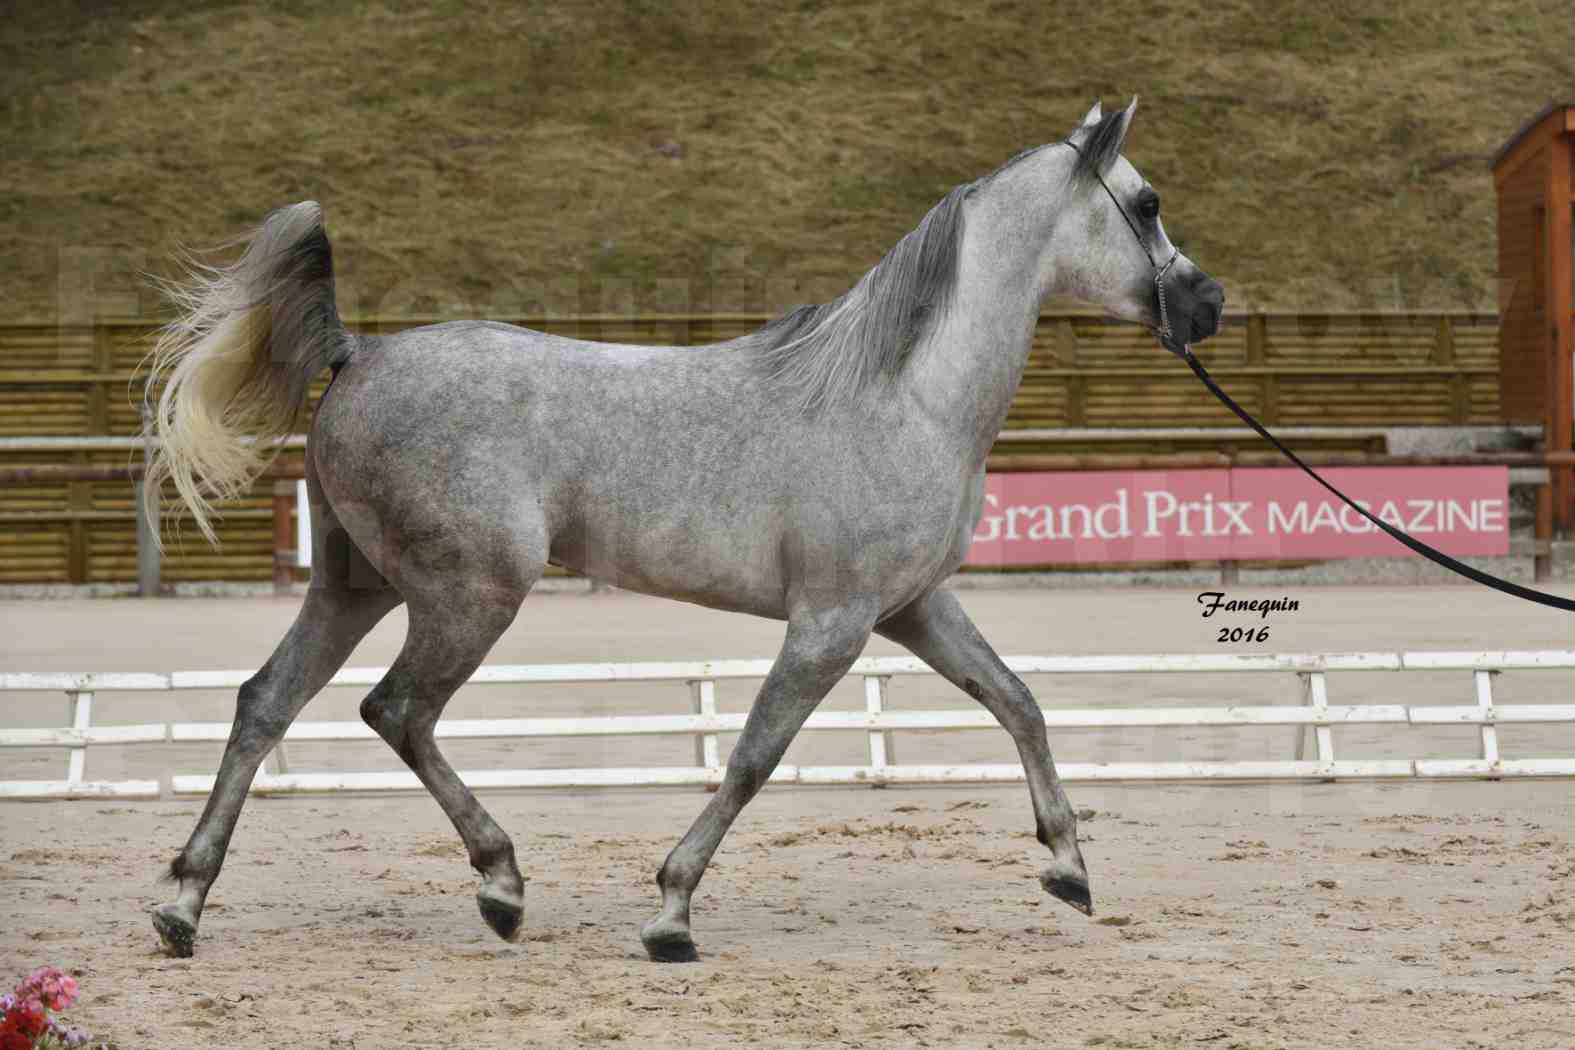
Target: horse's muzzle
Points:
(1207, 309)
(1195, 305)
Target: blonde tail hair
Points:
(236, 364)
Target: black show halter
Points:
(1170, 342)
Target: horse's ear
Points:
(1099, 140)
(1126, 123)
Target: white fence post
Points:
(278, 761)
(1318, 690)
(1484, 681)
(1300, 751)
(702, 694)
(80, 704)
(882, 751)
(303, 526)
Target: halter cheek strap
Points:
(1164, 330)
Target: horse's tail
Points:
(235, 366)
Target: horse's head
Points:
(1106, 244)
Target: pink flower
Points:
(65, 993)
(48, 985)
(24, 1014)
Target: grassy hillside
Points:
(496, 158)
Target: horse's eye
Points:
(1148, 207)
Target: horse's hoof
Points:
(505, 918)
(672, 948)
(668, 941)
(179, 936)
(1070, 887)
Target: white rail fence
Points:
(1315, 717)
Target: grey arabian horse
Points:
(826, 470)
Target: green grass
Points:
(495, 158)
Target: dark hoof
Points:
(178, 935)
(505, 919)
(674, 948)
(1070, 889)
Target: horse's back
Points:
(607, 453)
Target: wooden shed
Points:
(1534, 173)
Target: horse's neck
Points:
(970, 370)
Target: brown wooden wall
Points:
(1084, 371)
(1522, 289)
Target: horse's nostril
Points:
(1206, 321)
(1214, 295)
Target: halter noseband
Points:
(1166, 336)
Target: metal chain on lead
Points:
(1159, 288)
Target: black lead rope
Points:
(1452, 564)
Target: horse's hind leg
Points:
(462, 596)
(939, 632)
(346, 599)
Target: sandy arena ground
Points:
(1321, 915)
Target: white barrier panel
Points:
(1315, 717)
(303, 527)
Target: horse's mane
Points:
(820, 355)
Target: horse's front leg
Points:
(937, 630)
(819, 648)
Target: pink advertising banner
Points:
(1203, 515)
